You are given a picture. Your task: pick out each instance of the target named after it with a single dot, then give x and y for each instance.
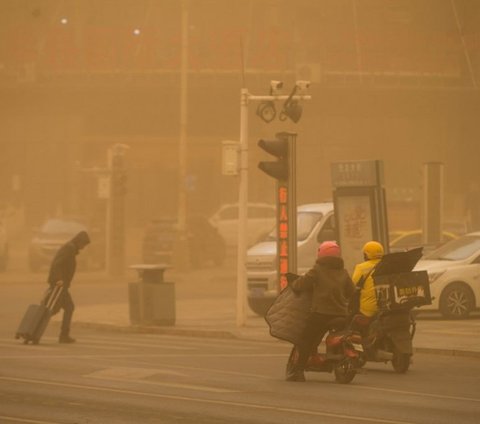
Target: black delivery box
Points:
(397, 286)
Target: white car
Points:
(454, 274)
(261, 219)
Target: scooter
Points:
(388, 338)
(398, 290)
(343, 356)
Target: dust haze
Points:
(395, 81)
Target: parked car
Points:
(454, 273)
(261, 219)
(406, 240)
(204, 243)
(3, 247)
(315, 224)
(54, 233)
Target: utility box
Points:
(151, 299)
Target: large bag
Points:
(287, 317)
(37, 316)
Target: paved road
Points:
(135, 378)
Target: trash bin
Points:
(151, 299)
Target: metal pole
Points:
(181, 249)
(242, 210)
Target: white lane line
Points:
(406, 392)
(208, 401)
(146, 355)
(25, 420)
(192, 387)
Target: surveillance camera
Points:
(276, 85)
(302, 85)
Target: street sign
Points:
(230, 157)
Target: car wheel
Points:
(260, 305)
(456, 301)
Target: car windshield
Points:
(305, 223)
(457, 249)
(62, 227)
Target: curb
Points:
(225, 334)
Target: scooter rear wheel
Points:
(401, 362)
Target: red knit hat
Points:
(328, 248)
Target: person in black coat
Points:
(62, 270)
(331, 287)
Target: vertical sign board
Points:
(287, 216)
(360, 207)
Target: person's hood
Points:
(80, 240)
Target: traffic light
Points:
(280, 148)
(283, 170)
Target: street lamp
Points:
(245, 99)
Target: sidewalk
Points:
(217, 318)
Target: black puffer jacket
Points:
(64, 263)
(330, 284)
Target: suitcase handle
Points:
(53, 297)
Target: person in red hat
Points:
(331, 287)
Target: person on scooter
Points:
(331, 286)
(362, 278)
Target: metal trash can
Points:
(152, 300)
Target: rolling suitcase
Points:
(37, 317)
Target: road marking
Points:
(207, 401)
(137, 375)
(128, 373)
(146, 355)
(406, 392)
(210, 370)
(192, 387)
(25, 420)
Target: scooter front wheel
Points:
(401, 362)
(344, 373)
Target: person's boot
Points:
(295, 375)
(65, 338)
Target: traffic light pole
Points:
(245, 98)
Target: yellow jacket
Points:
(368, 299)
